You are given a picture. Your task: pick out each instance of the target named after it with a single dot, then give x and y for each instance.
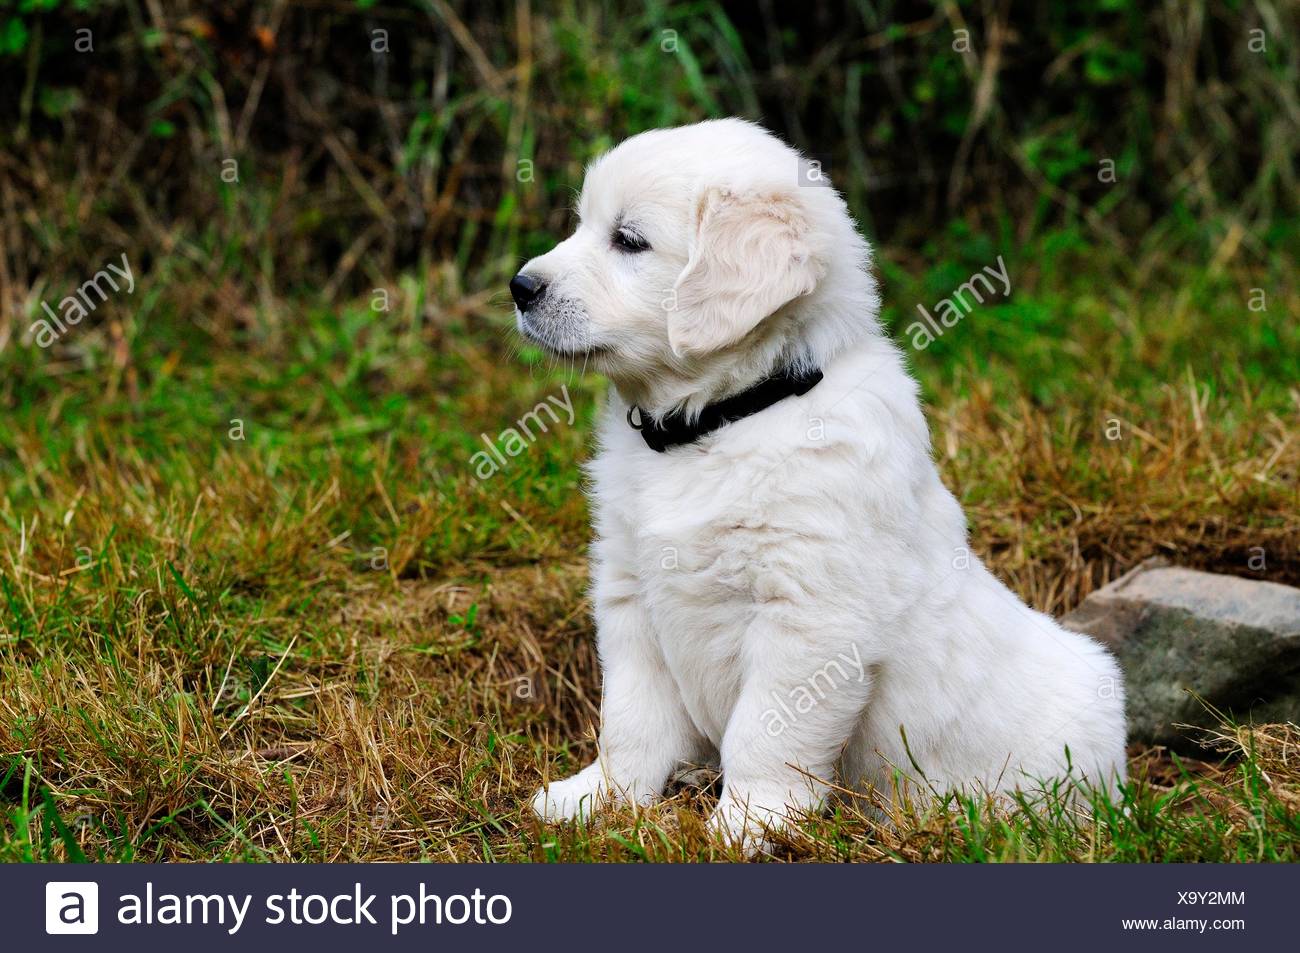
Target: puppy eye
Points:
(624, 239)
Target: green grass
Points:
(327, 641)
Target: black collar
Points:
(674, 430)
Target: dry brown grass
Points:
(411, 718)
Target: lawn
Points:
(256, 605)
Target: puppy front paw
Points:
(575, 798)
(745, 820)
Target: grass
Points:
(254, 605)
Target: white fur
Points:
(807, 555)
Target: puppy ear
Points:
(750, 256)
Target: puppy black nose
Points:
(525, 289)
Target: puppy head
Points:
(688, 240)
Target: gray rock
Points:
(1187, 639)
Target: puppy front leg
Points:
(645, 730)
(796, 711)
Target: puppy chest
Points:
(702, 587)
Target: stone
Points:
(1188, 639)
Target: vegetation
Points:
(255, 605)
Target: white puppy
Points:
(789, 592)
